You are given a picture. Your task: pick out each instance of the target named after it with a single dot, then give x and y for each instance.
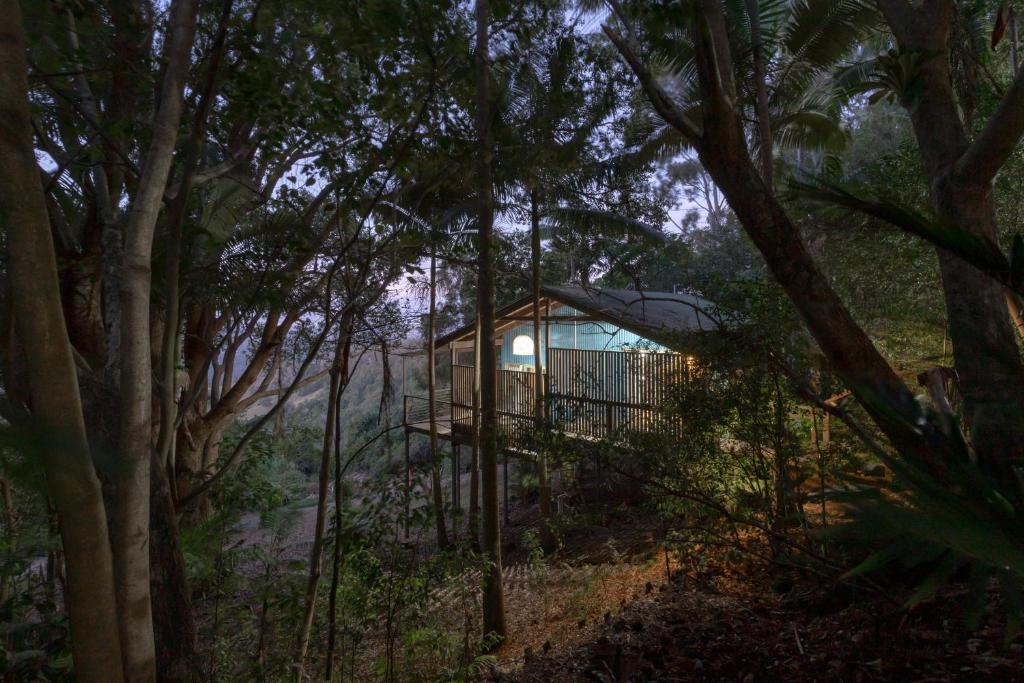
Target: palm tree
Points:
(548, 120)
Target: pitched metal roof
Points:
(664, 317)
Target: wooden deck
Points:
(590, 396)
(444, 429)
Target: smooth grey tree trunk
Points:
(130, 519)
(53, 381)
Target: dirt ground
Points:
(726, 622)
(611, 607)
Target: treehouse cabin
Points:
(606, 357)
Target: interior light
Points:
(522, 345)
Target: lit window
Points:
(522, 345)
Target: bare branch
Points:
(258, 396)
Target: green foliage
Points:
(943, 515)
(35, 640)
(263, 481)
(892, 77)
(977, 250)
(34, 632)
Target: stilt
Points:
(456, 479)
(455, 491)
(408, 485)
(505, 485)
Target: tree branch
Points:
(663, 104)
(997, 140)
(258, 396)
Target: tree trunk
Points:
(130, 523)
(435, 456)
(332, 603)
(547, 537)
(985, 350)
(56, 403)
(493, 596)
(339, 376)
(169, 349)
(174, 626)
(722, 149)
(195, 441)
(473, 518)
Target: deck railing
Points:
(592, 394)
(598, 393)
(516, 398)
(462, 395)
(416, 408)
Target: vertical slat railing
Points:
(594, 393)
(462, 395)
(516, 398)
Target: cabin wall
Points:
(592, 336)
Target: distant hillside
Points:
(361, 414)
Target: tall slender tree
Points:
(435, 451)
(130, 523)
(493, 594)
(539, 414)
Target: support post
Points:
(408, 484)
(504, 478)
(456, 497)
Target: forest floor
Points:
(605, 611)
(611, 607)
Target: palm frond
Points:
(822, 32)
(809, 129)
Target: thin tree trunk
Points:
(130, 525)
(56, 402)
(408, 485)
(332, 612)
(473, 518)
(339, 376)
(435, 455)
(172, 258)
(456, 490)
(493, 596)
(547, 537)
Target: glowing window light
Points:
(522, 345)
